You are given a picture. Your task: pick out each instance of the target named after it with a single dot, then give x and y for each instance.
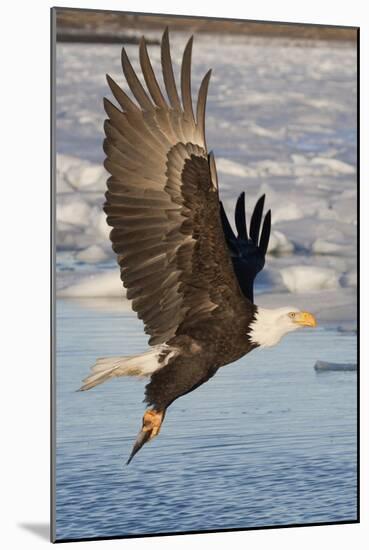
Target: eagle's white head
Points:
(270, 325)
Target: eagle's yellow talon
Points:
(152, 421)
(151, 424)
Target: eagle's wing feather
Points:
(246, 249)
(163, 204)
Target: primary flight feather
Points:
(189, 277)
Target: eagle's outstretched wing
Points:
(163, 202)
(246, 250)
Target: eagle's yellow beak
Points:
(305, 319)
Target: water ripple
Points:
(265, 442)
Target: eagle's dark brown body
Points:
(198, 361)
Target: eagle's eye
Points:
(292, 315)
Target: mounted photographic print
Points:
(204, 372)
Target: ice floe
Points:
(303, 278)
(324, 366)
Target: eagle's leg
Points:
(151, 424)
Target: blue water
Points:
(268, 441)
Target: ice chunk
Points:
(62, 185)
(92, 254)
(337, 166)
(323, 246)
(279, 243)
(325, 366)
(299, 165)
(304, 278)
(102, 227)
(75, 212)
(80, 174)
(289, 210)
(102, 285)
(235, 169)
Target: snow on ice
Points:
(281, 120)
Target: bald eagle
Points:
(190, 278)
